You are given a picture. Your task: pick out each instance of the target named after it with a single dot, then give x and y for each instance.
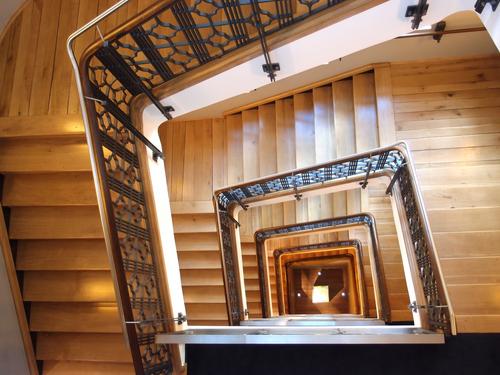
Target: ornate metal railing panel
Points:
(165, 41)
(392, 160)
(317, 251)
(332, 224)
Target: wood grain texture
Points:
(55, 223)
(84, 368)
(42, 144)
(61, 255)
(68, 286)
(308, 128)
(41, 126)
(54, 189)
(100, 347)
(448, 112)
(74, 317)
(44, 155)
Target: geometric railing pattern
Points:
(324, 225)
(165, 41)
(394, 161)
(317, 251)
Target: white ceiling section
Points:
(374, 26)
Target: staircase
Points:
(57, 243)
(201, 156)
(54, 226)
(48, 193)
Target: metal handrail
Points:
(326, 226)
(320, 250)
(342, 174)
(131, 61)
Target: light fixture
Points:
(343, 294)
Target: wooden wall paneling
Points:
(250, 220)
(9, 46)
(87, 11)
(271, 215)
(480, 78)
(285, 148)
(191, 152)
(109, 22)
(177, 171)
(62, 74)
(219, 153)
(325, 148)
(384, 105)
(204, 170)
(25, 61)
(345, 136)
(325, 142)
(443, 65)
(449, 114)
(307, 209)
(197, 179)
(365, 112)
(234, 149)
(365, 119)
(165, 133)
(45, 54)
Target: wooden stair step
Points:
(41, 155)
(74, 317)
(41, 126)
(55, 222)
(68, 286)
(49, 189)
(197, 241)
(61, 255)
(199, 260)
(206, 311)
(196, 223)
(204, 294)
(192, 207)
(201, 277)
(478, 323)
(100, 347)
(85, 368)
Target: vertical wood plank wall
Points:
(450, 115)
(48, 188)
(448, 111)
(307, 128)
